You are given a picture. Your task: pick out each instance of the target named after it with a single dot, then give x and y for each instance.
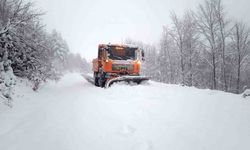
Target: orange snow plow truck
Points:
(117, 63)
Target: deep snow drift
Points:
(75, 115)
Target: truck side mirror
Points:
(142, 55)
(105, 54)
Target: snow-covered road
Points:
(75, 115)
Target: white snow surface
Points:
(75, 115)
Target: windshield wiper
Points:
(117, 57)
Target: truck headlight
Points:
(139, 62)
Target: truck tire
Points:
(101, 82)
(96, 79)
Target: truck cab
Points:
(116, 60)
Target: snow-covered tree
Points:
(209, 27)
(201, 48)
(240, 44)
(167, 57)
(76, 63)
(7, 78)
(59, 49)
(26, 48)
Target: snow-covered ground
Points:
(75, 115)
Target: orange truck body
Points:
(107, 66)
(116, 60)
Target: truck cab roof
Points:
(119, 45)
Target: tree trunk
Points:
(239, 58)
(214, 72)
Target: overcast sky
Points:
(86, 23)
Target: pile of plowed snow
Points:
(75, 115)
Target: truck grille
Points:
(119, 67)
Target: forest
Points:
(203, 48)
(28, 50)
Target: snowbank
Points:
(74, 114)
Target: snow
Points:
(75, 115)
(246, 93)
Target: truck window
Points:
(122, 53)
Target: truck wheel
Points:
(101, 82)
(96, 81)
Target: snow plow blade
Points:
(134, 79)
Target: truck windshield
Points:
(122, 53)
